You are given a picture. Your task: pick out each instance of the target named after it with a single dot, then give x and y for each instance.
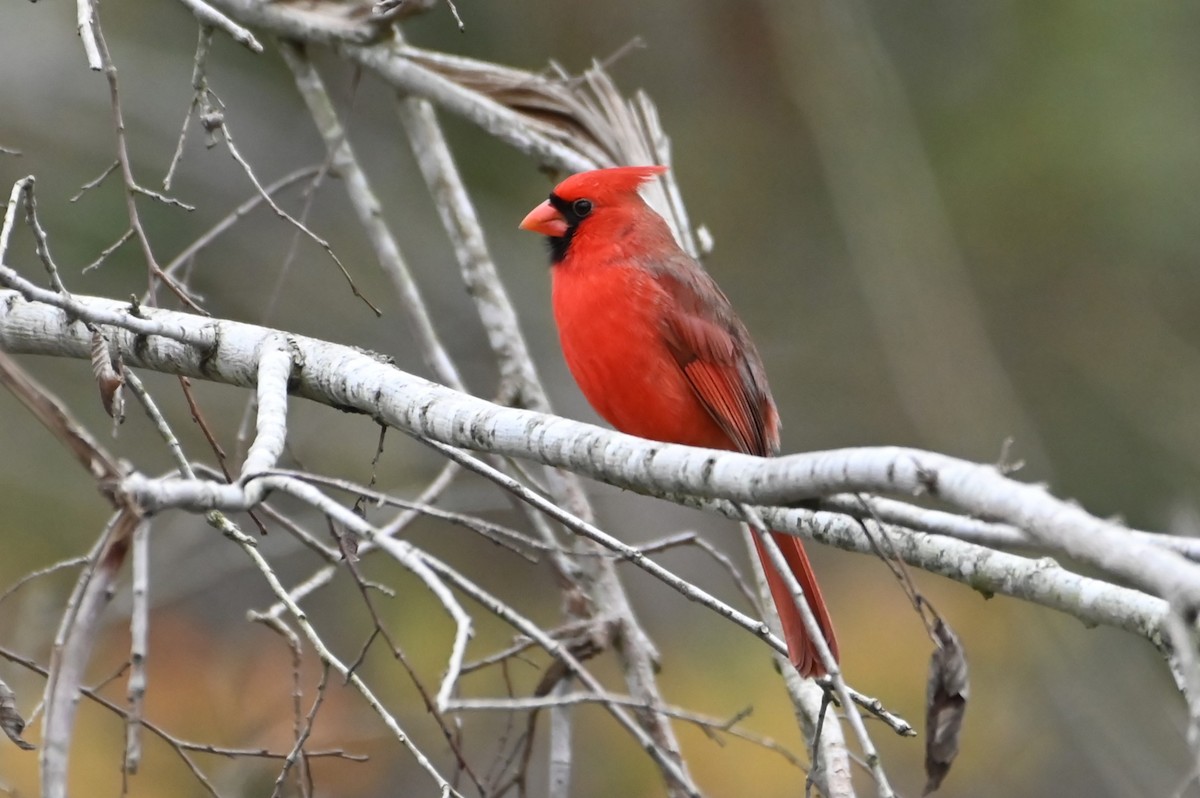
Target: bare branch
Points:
(817, 639)
(73, 645)
(179, 746)
(139, 645)
(533, 462)
(248, 546)
(39, 573)
(679, 777)
(370, 214)
(132, 187)
(347, 378)
(208, 16)
(85, 13)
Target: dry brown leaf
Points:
(107, 370)
(945, 704)
(10, 719)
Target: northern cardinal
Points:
(658, 351)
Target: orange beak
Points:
(545, 219)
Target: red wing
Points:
(720, 362)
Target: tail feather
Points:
(801, 650)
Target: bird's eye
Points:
(581, 207)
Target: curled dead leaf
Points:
(107, 371)
(945, 704)
(10, 719)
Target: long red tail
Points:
(800, 648)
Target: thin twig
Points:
(817, 639)
(199, 97)
(291, 220)
(107, 252)
(303, 731)
(630, 553)
(93, 183)
(433, 705)
(180, 746)
(210, 17)
(678, 775)
(248, 546)
(706, 723)
(22, 191)
(139, 635)
(49, 569)
(132, 188)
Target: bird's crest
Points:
(602, 184)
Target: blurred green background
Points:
(945, 223)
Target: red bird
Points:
(658, 351)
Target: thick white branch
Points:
(355, 380)
(274, 368)
(1041, 581)
(974, 530)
